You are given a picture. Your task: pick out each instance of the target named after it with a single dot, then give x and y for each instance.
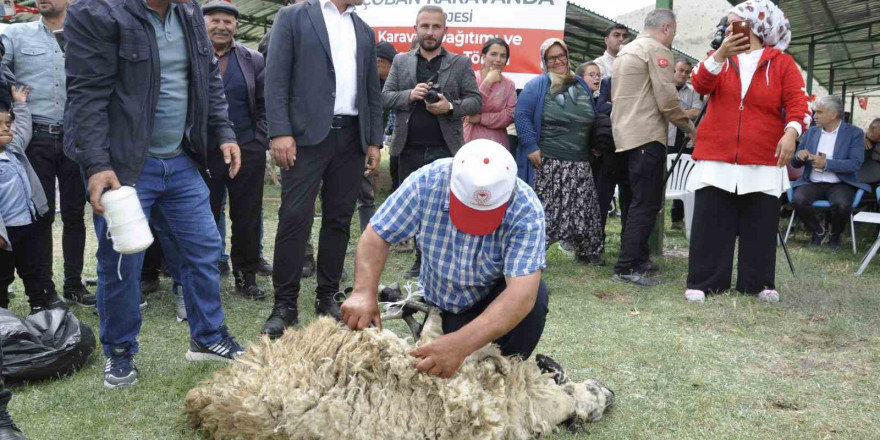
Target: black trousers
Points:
(28, 258)
(719, 218)
(45, 152)
(414, 157)
(840, 195)
(245, 202)
(602, 175)
(336, 166)
(522, 339)
(366, 201)
(642, 199)
(154, 259)
(393, 168)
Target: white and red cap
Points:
(482, 181)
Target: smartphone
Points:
(741, 27)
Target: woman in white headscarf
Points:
(757, 108)
(554, 116)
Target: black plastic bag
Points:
(47, 344)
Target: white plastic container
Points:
(126, 223)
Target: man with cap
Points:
(482, 234)
(242, 71)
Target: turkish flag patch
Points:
(663, 62)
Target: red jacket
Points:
(746, 131)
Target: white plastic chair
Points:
(676, 187)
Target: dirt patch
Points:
(613, 296)
(784, 404)
(815, 319)
(676, 253)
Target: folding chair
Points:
(826, 205)
(869, 217)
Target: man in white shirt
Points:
(831, 152)
(325, 126)
(615, 36)
(691, 102)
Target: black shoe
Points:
(8, 430)
(246, 286)
(309, 266)
(224, 267)
(834, 242)
(649, 267)
(415, 270)
(51, 303)
(637, 278)
(280, 318)
(591, 260)
(677, 225)
(816, 240)
(80, 295)
(391, 293)
(149, 285)
(326, 305)
(265, 269)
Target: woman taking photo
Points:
(756, 110)
(554, 116)
(499, 96)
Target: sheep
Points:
(327, 382)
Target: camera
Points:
(431, 96)
(718, 36)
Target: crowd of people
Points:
(158, 95)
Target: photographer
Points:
(756, 110)
(428, 125)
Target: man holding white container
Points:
(139, 120)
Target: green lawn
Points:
(732, 368)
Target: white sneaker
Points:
(695, 296)
(768, 296)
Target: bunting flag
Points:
(863, 103)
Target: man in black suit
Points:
(325, 116)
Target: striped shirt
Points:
(459, 269)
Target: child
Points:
(22, 204)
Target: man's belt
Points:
(51, 129)
(344, 121)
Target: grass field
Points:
(732, 368)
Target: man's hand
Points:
(867, 143)
(535, 158)
(475, 119)
(360, 310)
(734, 44)
(440, 107)
(803, 155)
(283, 151)
(231, 157)
(785, 147)
(493, 77)
(2, 242)
(441, 357)
(20, 94)
(374, 156)
(819, 162)
(98, 182)
(418, 93)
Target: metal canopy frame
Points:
(585, 34)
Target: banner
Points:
(523, 24)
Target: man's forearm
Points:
(692, 113)
(369, 260)
(503, 314)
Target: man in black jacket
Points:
(242, 72)
(139, 120)
(325, 122)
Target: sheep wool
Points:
(326, 382)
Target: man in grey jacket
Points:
(431, 90)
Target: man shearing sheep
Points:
(482, 234)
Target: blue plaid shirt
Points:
(459, 269)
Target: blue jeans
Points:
(175, 187)
(221, 225)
